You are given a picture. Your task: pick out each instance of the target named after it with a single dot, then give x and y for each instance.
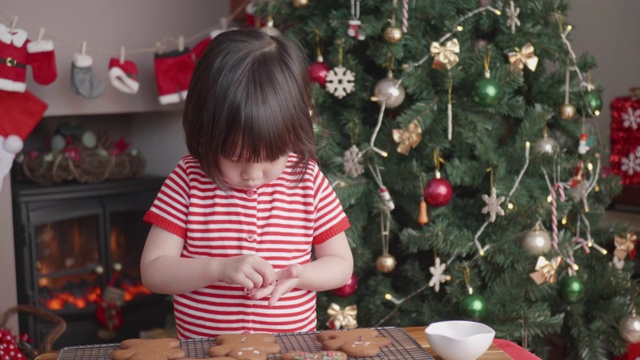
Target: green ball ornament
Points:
(487, 92)
(571, 289)
(474, 307)
(594, 102)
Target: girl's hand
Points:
(248, 271)
(286, 280)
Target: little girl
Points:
(235, 224)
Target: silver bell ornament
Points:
(537, 241)
(546, 145)
(270, 29)
(390, 91)
(629, 328)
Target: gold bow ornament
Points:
(546, 270)
(409, 138)
(625, 244)
(524, 57)
(342, 318)
(445, 56)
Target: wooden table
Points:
(416, 332)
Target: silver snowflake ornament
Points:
(339, 81)
(493, 205)
(352, 162)
(437, 270)
(512, 14)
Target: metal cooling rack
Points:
(402, 347)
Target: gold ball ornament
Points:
(567, 111)
(300, 3)
(386, 263)
(393, 34)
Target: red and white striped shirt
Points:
(279, 221)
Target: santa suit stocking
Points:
(83, 80)
(124, 75)
(173, 73)
(17, 52)
(20, 113)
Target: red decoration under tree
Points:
(625, 138)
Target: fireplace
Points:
(72, 242)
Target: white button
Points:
(251, 237)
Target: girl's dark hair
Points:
(249, 92)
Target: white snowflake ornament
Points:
(631, 118)
(437, 270)
(340, 81)
(352, 162)
(493, 205)
(512, 16)
(631, 163)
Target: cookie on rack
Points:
(244, 346)
(322, 355)
(149, 349)
(355, 342)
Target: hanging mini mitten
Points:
(83, 81)
(124, 75)
(43, 61)
(173, 72)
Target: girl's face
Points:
(250, 175)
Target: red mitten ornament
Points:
(43, 61)
(438, 191)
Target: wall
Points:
(106, 25)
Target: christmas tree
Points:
(456, 134)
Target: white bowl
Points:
(459, 340)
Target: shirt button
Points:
(251, 193)
(251, 237)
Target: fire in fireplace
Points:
(73, 242)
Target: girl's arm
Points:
(164, 271)
(332, 267)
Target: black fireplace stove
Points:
(73, 241)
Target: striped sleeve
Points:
(330, 219)
(171, 206)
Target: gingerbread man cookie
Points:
(322, 355)
(356, 342)
(245, 346)
(149, 349)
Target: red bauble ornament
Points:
(438, 191)
(347, 289)
(318, 73)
